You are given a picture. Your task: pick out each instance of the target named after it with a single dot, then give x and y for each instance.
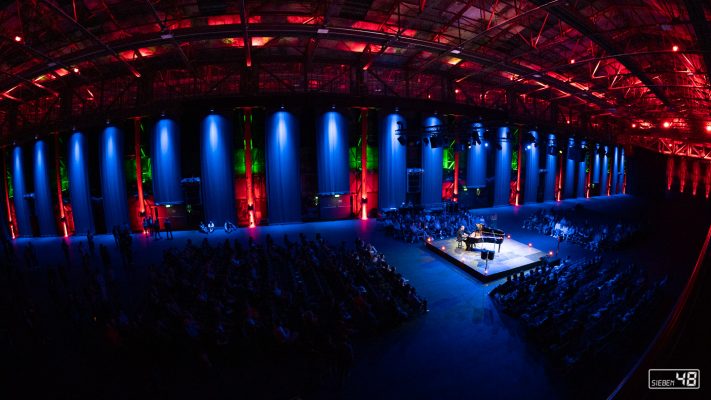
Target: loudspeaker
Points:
(491, 254)
(483, 254)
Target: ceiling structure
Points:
(610, 65)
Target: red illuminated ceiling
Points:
(644, 62)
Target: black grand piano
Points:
(483, 234)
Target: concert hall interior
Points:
(382, 199)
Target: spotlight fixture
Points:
(530, 139)
(572, 61)
(666, 124)
(18, 38)
(528, 147)
(675, 48)
(708, 128)
(76, 70)
(634, 125)
(436, 141)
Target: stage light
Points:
(666, 124)
(528, 147)
(457, 91)
(675, 48)
(486, 144)
(18, 38)
(443, 248)
(76, 70)
(508, 236)
(708, 128)
(634, 125)
(572, 61)
(429, 239)
(530, 244)
(550, 253)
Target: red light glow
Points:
(18, 39)
(708, 128)
(76, 70)
(675, 48)
(634, 125)
(666, 124)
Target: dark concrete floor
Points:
(463, 348)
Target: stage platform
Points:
(513, 257)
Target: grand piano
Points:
(484, 234)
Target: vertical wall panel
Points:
(216, 170)
(596, 158)
(79, 184)
(332, 153)
(621, 171)
(166, 162)
(531, 152)
(43, 193)
(502, 167)
(432, 170)
(603, 171)
(551, 169)
(22, 207)
(615, 170)
(113, 177)
(476, 160)
(581, 186)
(569, 183)
(283, 176)
(391, 164)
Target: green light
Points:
(63, 177)
(371, 161)
(146, 169)
(10, 190)
(257, 161)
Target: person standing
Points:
(156, 228)
(116, 233)
(168, 226)
(90, 241)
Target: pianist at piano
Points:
(482, 234)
